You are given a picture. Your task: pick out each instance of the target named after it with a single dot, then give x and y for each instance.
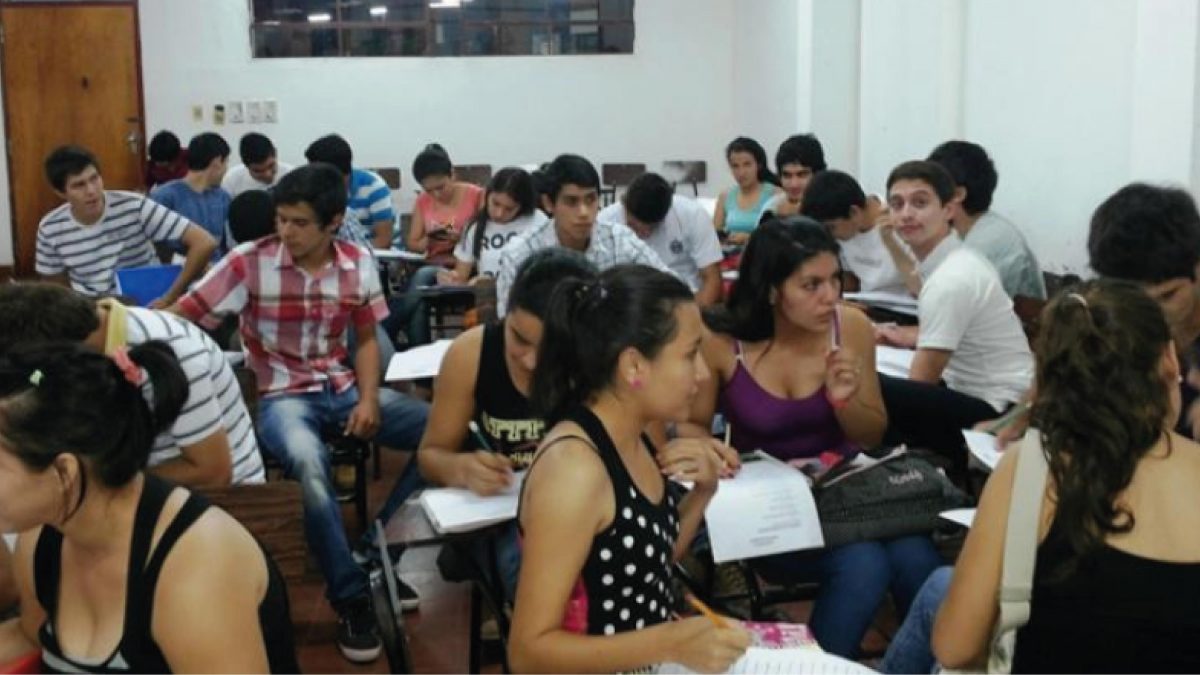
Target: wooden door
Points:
(71, 75)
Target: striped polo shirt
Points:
(214, 397)
(90, 255)
(370, 200)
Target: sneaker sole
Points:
(360, 655)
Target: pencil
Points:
(706, 611)
(728, 431)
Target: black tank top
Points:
(137, 652)
(1119, 613)
(501, 411)
(626, 580)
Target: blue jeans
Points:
(409, 311)
(290, 427)
(911, 650)
(853, 582)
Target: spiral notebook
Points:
(791, 660)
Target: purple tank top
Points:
(784, 428)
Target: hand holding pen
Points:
(485, 471)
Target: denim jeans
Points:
(853, 582)
(911, 650)
(290, 426)
(409, 311)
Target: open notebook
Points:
(453, 510)
(791, 660)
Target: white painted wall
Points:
(667, 101)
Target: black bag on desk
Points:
(895, 496)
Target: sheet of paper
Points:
(393, 254)
(460, 510)
(794, 660)
(730, 275)
(416, 363)
(767, 508)
(982, 447)
(964, 517)
(896, 302)
(893, 361)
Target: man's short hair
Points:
(802, 149)
(255, 148)
(204, 148)
(1145, 233)
(44, 312)
(570, 169)
(830, 195)
(251, 216)
(929, 173)
(317, 184)
(164, 147)
(649, 198)
(331, 149)
(66, 161)
(971, 168)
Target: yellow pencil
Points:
(706, 611)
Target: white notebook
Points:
(791, 660)
(418, 362)
(459, 510)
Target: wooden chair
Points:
(274, 514)
(615, 176)
(479, 174)
(390, 175)
(685, 172)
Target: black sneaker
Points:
(409, 600)
(358, 632)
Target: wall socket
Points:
(197, 112)
(270, 111)
(234, 112)
(254, 113)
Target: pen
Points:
(704, 609)
(1008, 418)
(479, 436)
(835, 335)
(728, 431)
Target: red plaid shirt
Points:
(293, 323)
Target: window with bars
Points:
(323, 28)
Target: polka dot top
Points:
(626, 580)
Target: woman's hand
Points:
(843, 374)
(704, 647)
(699, 461)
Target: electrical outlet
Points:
(197, 112)
(234, 112)
(271, 111)
(254, 113)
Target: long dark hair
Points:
(590, 322)
(1101, 404)
(61, 397)
(777, 248)
(755, 149)
(517, 184)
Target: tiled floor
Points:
(438, 631)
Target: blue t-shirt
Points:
(208, 209)
(370, 200)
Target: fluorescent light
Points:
(379, 10)
(320, 18)
(445, 4)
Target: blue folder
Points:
(147, 284)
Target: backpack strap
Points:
(1020, 548)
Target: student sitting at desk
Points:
(601, 528)
(509, 210)
(1117, 576)
(740, 207)
(968, 336)
(794, 374)
(119, 570)
(875, 260)
(485, 381)
(798, 159)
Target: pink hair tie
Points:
(133, 372)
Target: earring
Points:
(636, 383)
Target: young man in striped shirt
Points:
(97, 232)
(212, 441)
(370, 198)
(297, 292)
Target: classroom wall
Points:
(668, 101)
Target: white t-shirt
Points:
(867, 257)
(238, 179)
(686, 240)
(963, 309)
(495, 236)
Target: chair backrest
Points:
(274, 514)
(620, 174)
(686, 171)
(390, 175)
(479, 174)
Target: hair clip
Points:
(35, 378)
(133, 372)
